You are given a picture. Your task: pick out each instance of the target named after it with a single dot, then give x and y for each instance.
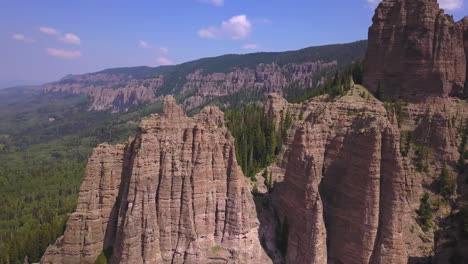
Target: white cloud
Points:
(250, 46)
(144, 44)
(21, 37)
(451, 4)
(213, 2)
(163, 50)
(64, 54)
(237, 27)
(49, 31)
(71, 38)
(209, 33)
(164, 61)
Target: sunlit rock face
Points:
(178, 196)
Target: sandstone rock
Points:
(118, 92)
(182, 199)
(88, 230)
(266, 78)
(347, 190)
(415, 50)
(277, 107)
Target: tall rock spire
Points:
(415, 51)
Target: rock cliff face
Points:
(182, 198)
(268, 78)
(115, 92)
(346, 194)
(344, 197)
(118, 92)
(415, 50)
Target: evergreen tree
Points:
(425, 213)
(446, 184)
(405, 142)
(358, 72)
(271, 141)
(380, 93)
(257, 141)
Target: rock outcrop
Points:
(415, 51)
(178, 196)
(344, 198)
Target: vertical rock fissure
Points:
(377, 240)
(160, 175)
(228, 190)
(192, 186)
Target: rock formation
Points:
(345, 184)
(118, 92)
(182, 198)
(115, 92)
(415, 51)
(267, 78)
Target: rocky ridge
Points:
(178, 196)
(267, 78)
(115, 92)
(118, 92)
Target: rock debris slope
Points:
(182, 198)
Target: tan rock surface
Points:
(266, 78)
(343, 192)
(183, 199)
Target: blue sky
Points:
(42, 41)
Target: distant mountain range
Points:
(4, 84)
